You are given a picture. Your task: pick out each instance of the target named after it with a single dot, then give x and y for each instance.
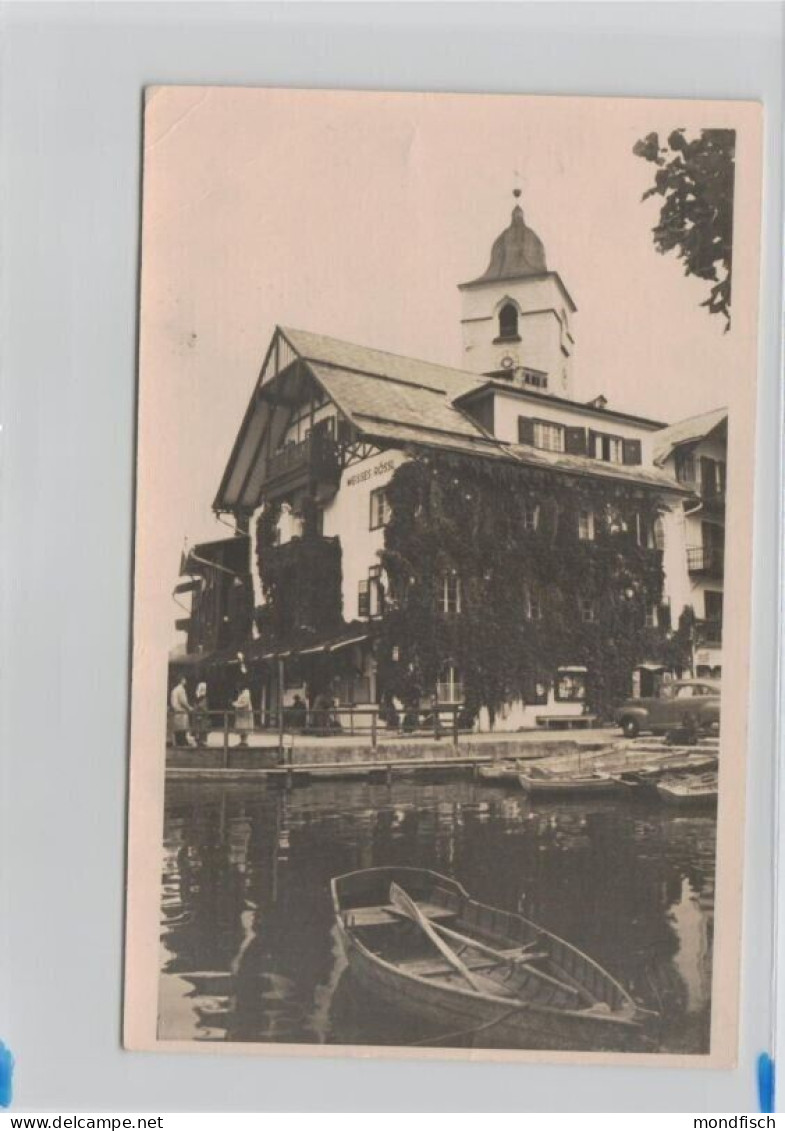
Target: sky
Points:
(356, 215)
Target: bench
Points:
(566, 722)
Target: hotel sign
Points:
(381, 468)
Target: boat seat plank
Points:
(386, 914)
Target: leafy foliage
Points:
(470, 516)
(301, 582)
(695, 178)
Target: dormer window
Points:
(508, 323)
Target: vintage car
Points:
(688, 703)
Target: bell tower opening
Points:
(508, 323)
(515, 315)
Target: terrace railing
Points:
(230, 730)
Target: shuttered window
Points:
(541, 434)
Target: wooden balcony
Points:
(314, 461)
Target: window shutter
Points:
(591, 449)
(708, 480)
(364, 599)
(631, 451)
(525, 430)
(575, 441)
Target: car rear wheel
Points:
(630, 727)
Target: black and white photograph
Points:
(444, 481)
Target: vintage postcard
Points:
(441, 614)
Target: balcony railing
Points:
(314, 458)
(706, 560)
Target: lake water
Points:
(249, 952)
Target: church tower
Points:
(516, 318)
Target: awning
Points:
(650, 666)
(327, 646)
(573, 668)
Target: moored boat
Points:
(572, 783)
(495, 772)
(701, 790)
(644, 780)
(418, 942)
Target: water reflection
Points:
(249, 950)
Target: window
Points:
(536, 379)
(685, 466)
(712, 604)
(586, 525)
(713, 474)
(610, 449)
(449, 689)
(658, 534)
(587, 607)
(508, 322)
(535, 688)
(548, 437)
(450, 593)
(364, 598)
(571, 687)
(531, 517)
(380, 508)
(533, 602)
(652, 619)
(376, 591)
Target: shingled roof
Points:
(393, 401)
(687, 431)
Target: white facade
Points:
(348, 517)
(544, 340)
(695, 540)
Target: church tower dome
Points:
(518, 252)
(516, 315)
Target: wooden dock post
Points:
(373, 730)
(455, 726)
(280, 710)
(226, 740)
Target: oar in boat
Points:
(521, 958)
(406, 905)
(435, 930)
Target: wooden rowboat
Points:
(541, 783)
(644, 780)
(697, 791)
(495, 772)
(418, 943)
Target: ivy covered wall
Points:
(301, 583)
(472, 518)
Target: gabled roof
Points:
(687, 431)
(384, 395)
(393, 401)
(380, 363)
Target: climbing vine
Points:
(534, 596)
(301, 584)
